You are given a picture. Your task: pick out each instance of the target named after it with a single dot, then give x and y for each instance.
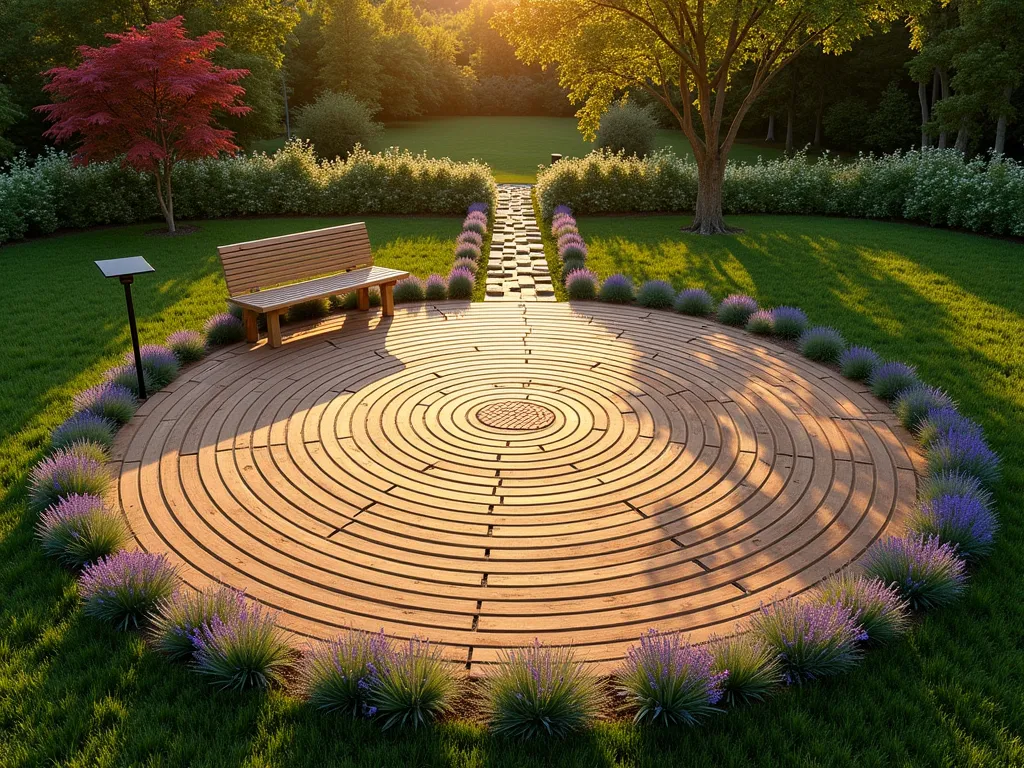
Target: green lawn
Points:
(74, 693)
(512, 146)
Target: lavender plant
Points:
(158, 361)
(913, 404)
(470, 238)
(475, 223)
(939, 421)
(879, 609)
(77, 469)
(669, 681)
(694, 301)
(109, 400)
(246, 650)
(127, 376)
(736, 309)
(656, 294)
(188, 346)
(125, 588)
(461, 282)
(413, 685)
(464, 263)
(822, 344)
(810, 641)
(435, 289)
(925, 571)
(571, 248)
(84, 426)
(751, 669)
(888, 380)
(788, 322)
(761, 322)
(79, 529)
(180, 616)
(616, 289)
(410, 290)
(966, 522)
(953, 483)
(858, 363)
(581, 285)
(222, 329)
(478, 208)
(314, 309)
(964, 452)
(467, 250)
(336, 675)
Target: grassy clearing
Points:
(512, 146)
(74, 693)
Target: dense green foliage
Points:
(627, 128)
(335, 124)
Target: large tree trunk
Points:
(163, 179)
(944, 85)
(922, 96)
(708, 218)
(1000, 144)
(771, 128)
(961, 137)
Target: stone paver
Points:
(516, 267)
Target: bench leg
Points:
(363, 299)
(387, 299)
(274, 329)
(252, 332)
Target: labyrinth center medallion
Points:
(519, 415)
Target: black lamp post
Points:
(126, 270)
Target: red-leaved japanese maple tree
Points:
(150, 98)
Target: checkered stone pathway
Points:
(516, 267)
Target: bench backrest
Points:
(290, 258)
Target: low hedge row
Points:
(50, 193)
(935, 187)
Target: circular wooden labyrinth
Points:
(486, 475)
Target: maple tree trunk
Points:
(708, 218)
(165, 200)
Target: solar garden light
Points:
(126, 270)
(555, 158)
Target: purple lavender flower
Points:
(926, 571)
(224, 328)
(473, 238)
(68, 471)
(467, 250)
(409, 290)
(761, 322)
(616, 289)
(858, 363)
(822, 344)
(180, 616)
(811, 641)
(79, 529)
(246, 650)
(127, 376)
(84, 426)
(158, 361)
(476, 222)
(109, 400)
(694, 301)
(562, 210)
(889, 379)
(124, 588)
(581, 285)
(877, 607)
(953, 483)
(412, 685)
(736, 309)
(788, 322)
(966, 522)
(478, 208)
(965, 452)
(669, 680)
(913, 404)
(464, 263)
(188, 346)
(337, 675)
(461, 282)
(436, 288)
(942, 420)
(571, 247)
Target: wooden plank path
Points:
(488, 474)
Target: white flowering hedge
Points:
(50, 193)
(936, 187)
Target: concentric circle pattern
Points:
(376, 473)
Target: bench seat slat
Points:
(322, 287)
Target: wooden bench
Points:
(263, 275)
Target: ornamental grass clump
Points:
(879, 608)
(694, 301)
(223, 329)
(966, 522)
(888, 380)
(913, 405)
(616, 289)
(336, 675)
(571, 248)
(669, 681)
(314, 309)
(541, 690)
(409, 290)
(124, 589)
(435, 289)
(77, 469)
(413, 685)
(565, 227)
(761, 323)
(858, 363)
(926, 571)
(467, 250)
(84, 427)
(581, 285)
(810, 641)
(128, 377)
(964, 452)
(752, 670)
(79, 530)
(180, 616)
(476, 222)
(158, 361)
(468, 237)
(109, 400)
(464, 263)
(788, 322)
(656, 294)
(573, 265)
(945, 419)
(188, 346)
(246, 650)
(822, 344)
(461, 282)
(736, 309)
(953, 483)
